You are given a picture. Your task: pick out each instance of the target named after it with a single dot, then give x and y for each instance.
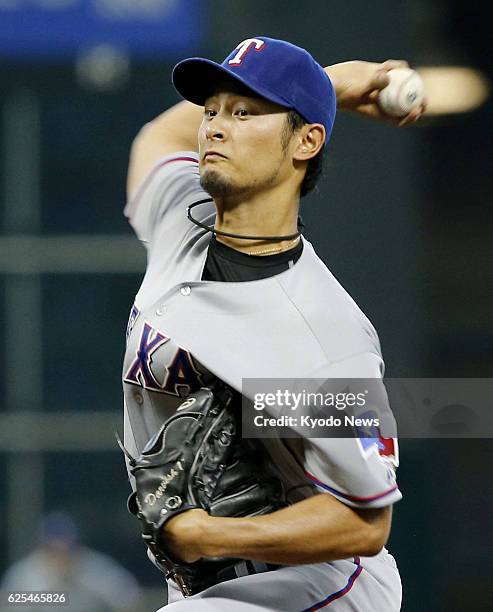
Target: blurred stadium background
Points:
(402, 217)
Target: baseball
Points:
(404, 92)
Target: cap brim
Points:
(197, 78)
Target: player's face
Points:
(240, 144)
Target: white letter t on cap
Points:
(244, 47)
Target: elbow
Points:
(373, 545)
(376, 534)
(374, 540)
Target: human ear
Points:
(310, 140)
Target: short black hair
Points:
(294, 122)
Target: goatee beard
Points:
(216, 185)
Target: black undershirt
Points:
(229, 265)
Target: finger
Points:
(374, 112)
(370, 108)
(379, 80)
(372, 96)
(408, 119)
(393, 64)
(412, 117)
(405, 122)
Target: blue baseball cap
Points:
(273, 69)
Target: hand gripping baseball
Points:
(198, 460)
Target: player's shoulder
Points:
(162, 198)
(339, 324)
(176, 169)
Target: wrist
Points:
(214, 530)
(197, 532)
(225, 536)
(183, 535)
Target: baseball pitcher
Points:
(232, 290)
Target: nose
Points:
(215, 129)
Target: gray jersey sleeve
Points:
(171, 186)
(360, 472)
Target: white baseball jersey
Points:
(183, 331)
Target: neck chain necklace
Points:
(210, 228)
(275, 249)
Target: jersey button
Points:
(185, 290)
(139, 399)
(161, 310)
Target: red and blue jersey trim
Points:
(353, 498)
(338, 594)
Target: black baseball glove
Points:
(198, 460)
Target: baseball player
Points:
(232, 290)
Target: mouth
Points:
(213, 156)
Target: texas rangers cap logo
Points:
(244, 47)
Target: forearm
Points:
(314, 530)
(352, 81)
(337, 81)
